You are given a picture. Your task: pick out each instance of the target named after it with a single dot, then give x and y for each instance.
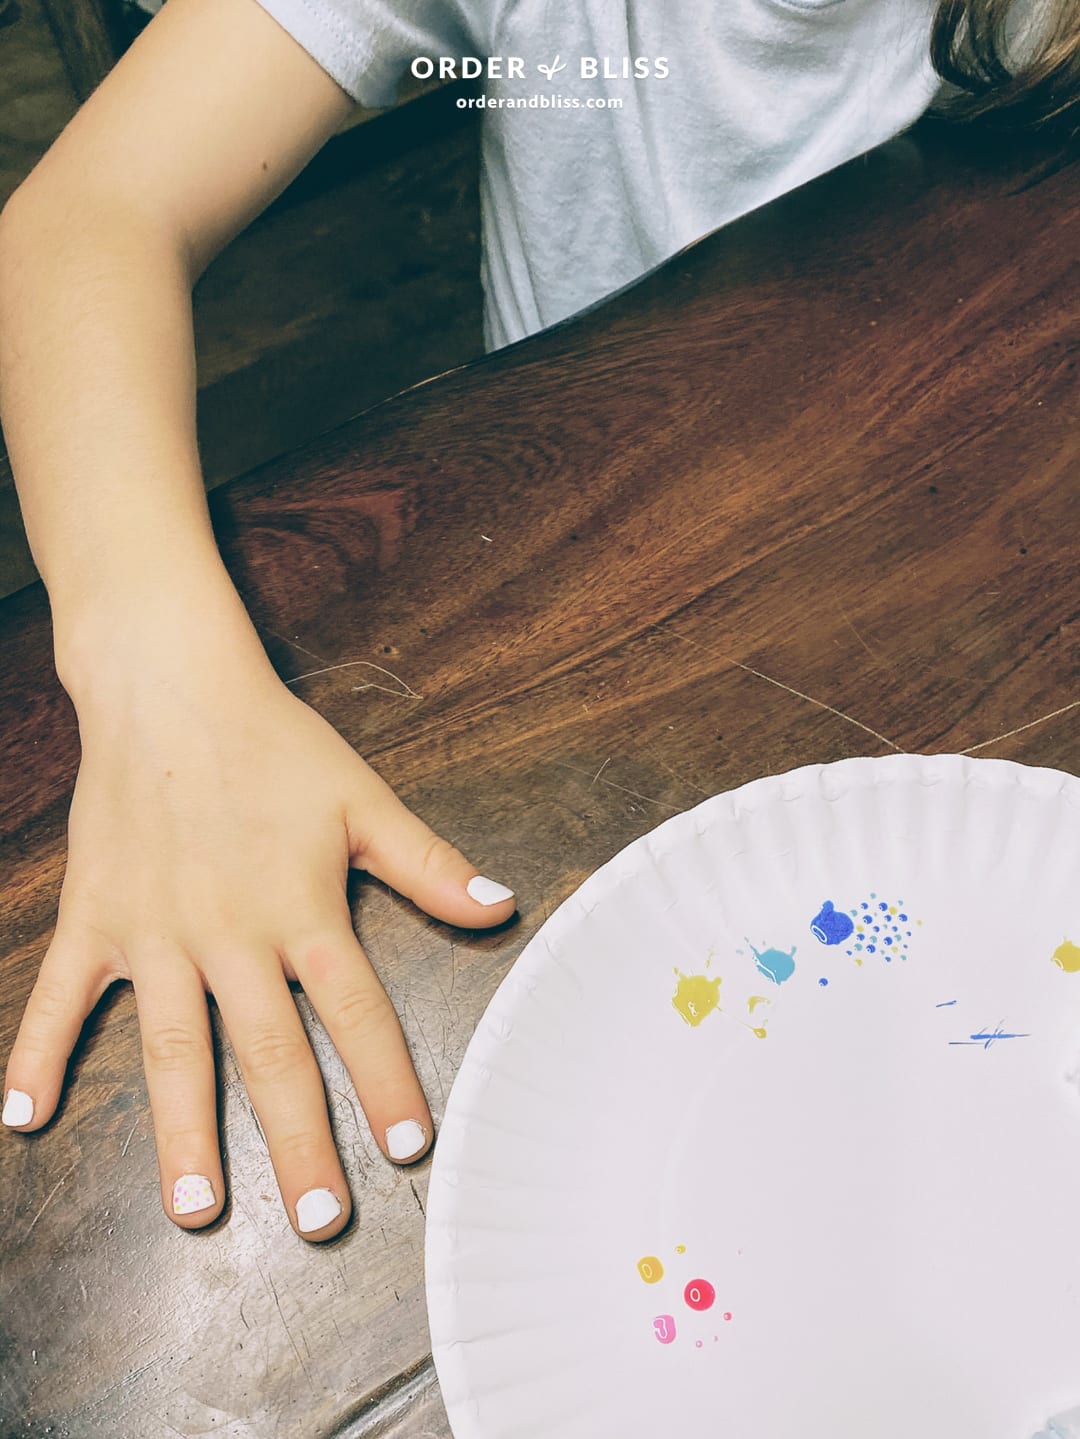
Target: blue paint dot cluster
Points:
(881, 928)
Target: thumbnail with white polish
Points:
(18, 1108)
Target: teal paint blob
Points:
(775, 964)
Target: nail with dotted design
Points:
(18, 1109)
(315, 1209)
(192, 1192)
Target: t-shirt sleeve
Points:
(367, 46)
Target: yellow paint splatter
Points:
(762, 1033)
(650, 1269)
(696, 996)
(680, 1249)
(755, 1000)
(1067, 957)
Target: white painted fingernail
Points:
(192, 1192)
(315, 1209)
(486, 891)
(405, 1139)
(18, 1108)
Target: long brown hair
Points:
(969, 45)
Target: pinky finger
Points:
(68, 986)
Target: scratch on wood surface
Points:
(127, 1141)
(299, 647)
(434, 1063)
(851, 626)
(419, 1201)
(405, 691)
(621, 787)
(1021, 728)
(268, 1280)
(601, 770)
(680, 778)
(50, 1195)
(788, 689)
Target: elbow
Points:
(53, 227)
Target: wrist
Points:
(142, 628)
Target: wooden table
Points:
(808, 491)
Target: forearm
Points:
(97, 397)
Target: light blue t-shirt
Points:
(592, 174)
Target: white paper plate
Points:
(862, 1147)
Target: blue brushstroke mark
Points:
(831, 925)
(986, 1039)
(945, 1006)
(775, 964)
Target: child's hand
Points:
(213, 824)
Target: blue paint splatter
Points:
(945, 1005)
(776, 964)
(824, 983)
(985, 1038)
(831, 925)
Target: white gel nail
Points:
(405, 1139)
(18, 1108)
(315, 1209)
(487, 891)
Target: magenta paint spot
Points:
(664, 1328)
(728, 1316)
(699, 1294)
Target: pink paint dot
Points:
(698, 1345)
(728, 1316)
(699, 1294)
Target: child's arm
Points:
(214, 815)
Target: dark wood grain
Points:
(91, 35)
(808, 491)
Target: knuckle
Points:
(273, 1054)
(362, 1009)
(52, 998)
(184, 1139)
(174, 1047)
(438, 853)
(298, 1151)
(319, 960)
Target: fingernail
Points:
(487, 891)
(18, 1108)
(405, 1139)
(315, 1209)
(192, 1192)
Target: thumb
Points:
(396, 846)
